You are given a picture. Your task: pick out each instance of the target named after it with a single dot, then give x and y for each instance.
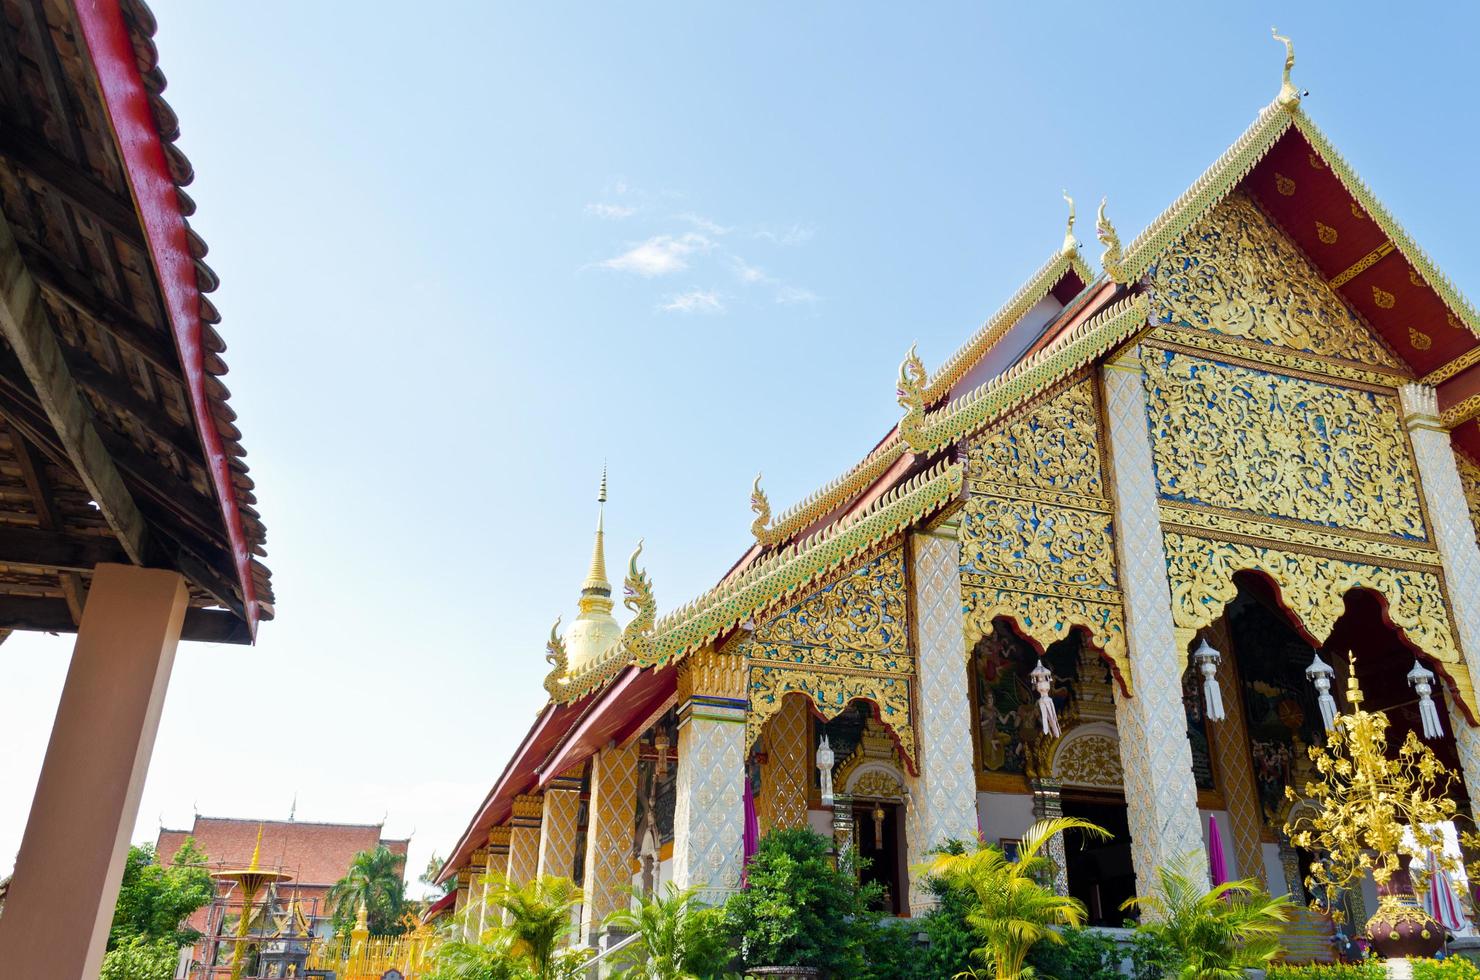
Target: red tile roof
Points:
(314, 853)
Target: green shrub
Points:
(138, 958)
(950, 939)
(1450, 968)
(800, 910)
(892, 952)
(1083, 955)
(1336, 971)
(1152, 958)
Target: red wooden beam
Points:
(127, 103)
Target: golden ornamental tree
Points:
(1364, 802)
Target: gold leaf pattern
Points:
(1284, 185)
(1357, 212)
(1326, 233)
(1419, 340)
(1316, 163)
(1384, 299)
(1262, 443)
(1313, 587)
(1235, 273)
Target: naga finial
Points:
(637, 638)
(1289, 96)
(911, 392)
(1112, 257)
(555, 656)
(761, 505)
(1070, 245)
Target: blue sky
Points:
(468, 251)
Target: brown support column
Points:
(61, 899)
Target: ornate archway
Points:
(1313, 588)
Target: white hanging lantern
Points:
(1042, 680)
(1321, 674)
(825, 770)
(1421, 679)
(1207, 659)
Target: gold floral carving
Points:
(709, 673)
(831, 692)
(878, 785)
(1383, 298)
(856, 620)
(1246, 440)
(1089, 760)
(1036, 538)
(1235, 273)
(1313, 588)
(1326, 233)
(1419, 340)
(846, 640)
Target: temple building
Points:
(1115, 561)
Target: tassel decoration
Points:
(1321, 674)
(1206, 658)
(1042, 680)
(1421, 679)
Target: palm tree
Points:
(1215, 932)
(677, 940)
(1012, 908)
(539, 918)
(375, 878)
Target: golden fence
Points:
(358, 957)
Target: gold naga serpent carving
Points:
(846, 640)
(1240, 439)
(1036, 537)
(1235, 273)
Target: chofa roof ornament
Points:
(1289, 97)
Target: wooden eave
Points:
(148, 465)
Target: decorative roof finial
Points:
(1112, 257)
(760, 505)
(911, 391)
(596, 580)
(1353, 688)
(1289, 97)
(1070, 245)
(256, 861)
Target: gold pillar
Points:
(558, 829)
(498, 865)
(609, 833)
(524, 839)
(60, 905)
(782, 801)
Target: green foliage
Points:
(892, 952)
(1449, 968)
(950, 939)
(1011, 908)
(800, 910)
(526, 948)
(1218, 932)
(140, 958)
(1151, 957)
(154, 901)
(429, 876)
(1372, 970)
(680, 939)
(374, 877)
(1083, 955)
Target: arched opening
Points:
(1270, 652)
(1024, 774)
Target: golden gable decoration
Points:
(1036, 536)
(1234, 272)
(1241, 439)
(846, 640)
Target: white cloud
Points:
(693, 301)
(704, 224)
(612, 212)
(795, 235)
(791, 295)
(659, 255)
(746, 272)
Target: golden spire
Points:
(1289, 97)
(256, 862)
(1070, 245)
(362, 916)
(594, 631)
(596, 584)
(1353, 689)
